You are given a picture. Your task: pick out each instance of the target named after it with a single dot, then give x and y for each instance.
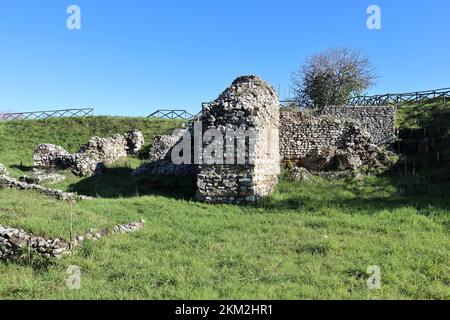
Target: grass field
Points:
(423, 115)
(311, 240)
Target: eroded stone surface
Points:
(326, 143)
(162, 145)
(92, 156)
(248, 104)
(8, 182)
(16, 243)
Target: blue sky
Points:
(132, 57)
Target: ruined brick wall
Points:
(331, 142)
(248, 104)
(379, 121)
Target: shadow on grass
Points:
(389, 191)
(120, 183)
(21, 167)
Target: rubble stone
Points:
(3, 170)
(92, 156)
(16, 244)
(134, 140)
(248, 104)
(42, 177)
(11, 183)
(326, 143)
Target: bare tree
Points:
(332, 77)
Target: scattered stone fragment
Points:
(92, 156)
(8, 182)
(135, 141)
(42, 177)
(300, 174)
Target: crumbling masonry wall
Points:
(333, 141)
(248, 104)
(91, 157)
(378, 121)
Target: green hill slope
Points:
(18, 138)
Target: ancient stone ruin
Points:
(3, 170)
(135, 141)
(91, 157)
(250, 106)
(40, 178)
(11, 183)
(329, 143)
(331, 139)
(162, 145)
(16, 244)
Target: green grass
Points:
(312, 240)
(423, 115)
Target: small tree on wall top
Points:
(332, 77)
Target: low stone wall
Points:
(378, 121)
(91, 157)
(162, 145)
(51, 157)
(16, 244)
(106, 150)
(11, 183)
(160, 158)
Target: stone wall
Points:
(91, 157)
(324, 142)
(160, 162)
(378, 121)
(162, 145)
(16, 244)
(248, 104)
(135, 141)
(51, 157)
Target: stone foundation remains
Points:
(40, 177)
(16, 244)
(11, 183)
(91, 157)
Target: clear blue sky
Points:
(131, 57)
